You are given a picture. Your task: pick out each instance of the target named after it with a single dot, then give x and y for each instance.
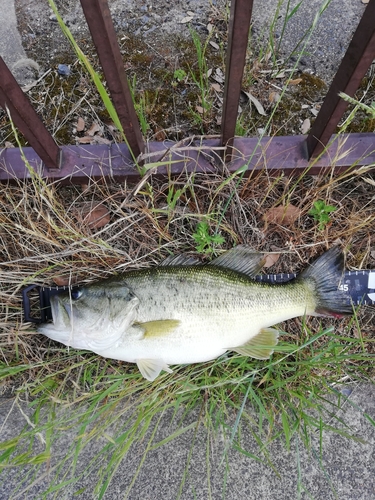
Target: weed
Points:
(204, 240)
(320, 213)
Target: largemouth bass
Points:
(184, 312)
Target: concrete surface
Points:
(11, 49)
(343, 469)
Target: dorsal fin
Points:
(242, 259)
(180, 260)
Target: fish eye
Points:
(76, 293)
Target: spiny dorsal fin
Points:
(151, 368)
(180, 260)
(242, 259)
(158, 328)
(261, 346)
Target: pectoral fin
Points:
(151, 368)
(158, 328)
(261, 346)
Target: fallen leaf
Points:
(95, 127)
(274, 97)
(8, 144)
(62, 281)
(84, 140)
(80, 124)
(305, 127)
(282, 215)
(209, 27)
(271, 259)
(199, 109)
(160, 134)
(98, 139)
(365, 2)
(314, 111)
(296, 81)
(214, 45)
(216, 87)
(93, 214)
(186, 19)
(209, 73)
(256, 103)
(218, 76)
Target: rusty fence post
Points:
(26, 119)
(353, 67)
(100, 23)
(239, 25)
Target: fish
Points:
(183, 311)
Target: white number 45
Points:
(344, 287)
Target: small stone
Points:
(63, 70)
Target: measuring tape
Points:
(359, 285)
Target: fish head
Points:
(93, 317)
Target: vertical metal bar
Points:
(239, 25)
(26, 119)
(100, 23)
(353, 67)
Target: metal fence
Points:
(291, 154)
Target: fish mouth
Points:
(59, 328)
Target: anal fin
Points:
(151, 368)
(261, 346)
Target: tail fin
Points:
(325, 275)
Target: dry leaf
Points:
(271, 259)
(95, 127)
(160, 134)
(209, 73)
(305, 127)
(296, 81)
(199, 109)
(62, 281)
(216, 87)
(274, 97)
(84, 140)
(218, 76)
(98, 139)
(214, 45)
(94, 214)
(209, 27)
(256, 103)
(8, 144)
(282, 215)
(186, 19)
(80, 124)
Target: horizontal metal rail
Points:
(276, 154)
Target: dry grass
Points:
(44, 239)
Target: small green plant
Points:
(320, 212)
(179, 74)
(140, 106)
(204, 240)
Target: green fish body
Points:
(182, 312)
